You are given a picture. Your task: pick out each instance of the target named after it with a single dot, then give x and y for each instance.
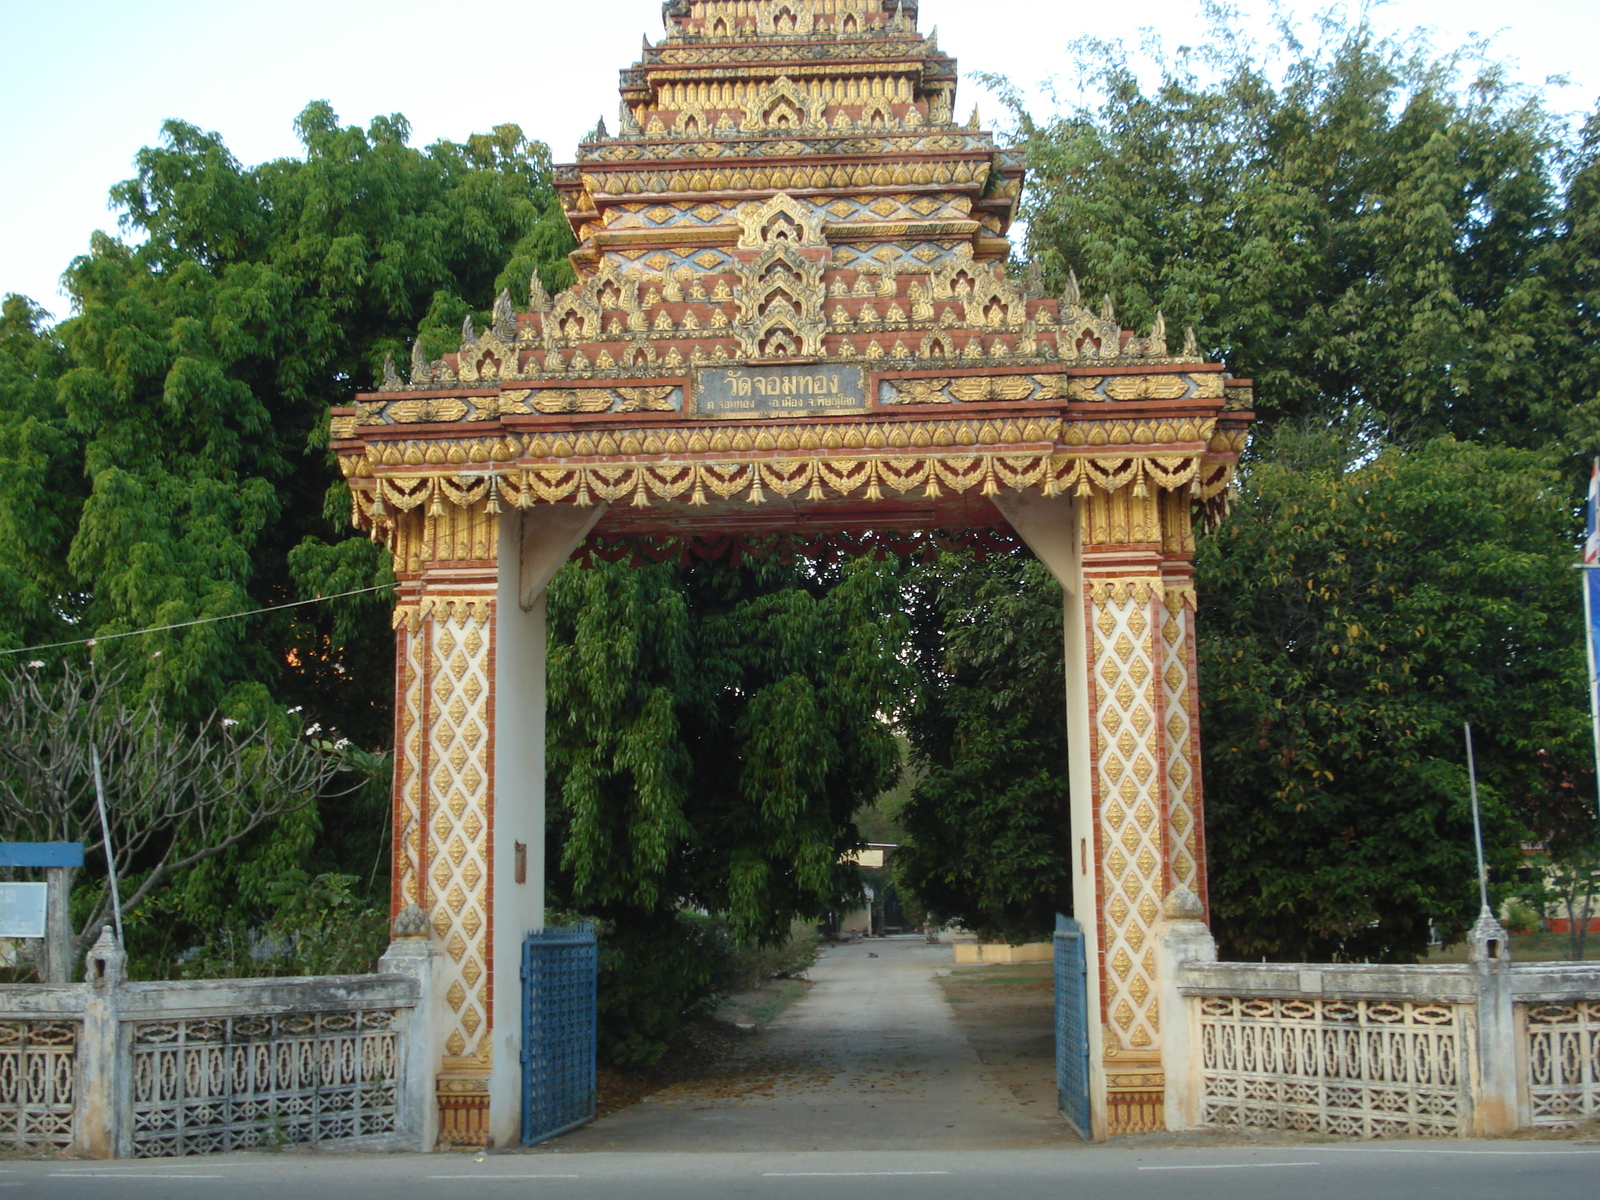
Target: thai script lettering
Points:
(779, 391)
(741, 383)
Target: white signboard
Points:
(22, 909)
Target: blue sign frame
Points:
(41, 854)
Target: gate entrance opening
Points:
(793, 316)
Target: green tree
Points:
(1354, 222)
(40, 492)
(713, 728)
(989, 842)
(1356, 609)
(165, 447)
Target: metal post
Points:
(1594, 671)
(105, 835)
(1477, 824)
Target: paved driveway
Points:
(871, 1059)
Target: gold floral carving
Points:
(1146, 387)
(988, 388)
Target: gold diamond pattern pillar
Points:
(444, 787)
(1138, 609)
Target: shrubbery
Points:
(656, 975)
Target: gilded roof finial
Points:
(538, 298)
(469, 334)
(1072, 297)
(601, 134)
(1191, 344)
(420, 371)
(391, 377)
(505, 316)
(975, 123)
(1108, 311)
(1158, 337)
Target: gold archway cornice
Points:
(643, 466)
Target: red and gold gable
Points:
(792, 293)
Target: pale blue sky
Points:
(86, 83)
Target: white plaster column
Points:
(1182, 938)
(410, 955)
(102, 1128)
(1051, 527)
(1496, 1098)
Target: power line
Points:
(255, 612)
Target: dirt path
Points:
(873, 1058)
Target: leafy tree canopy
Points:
(165, 444)
(1358, 222)
(162, 452)
(1353, 616)
(989, 843)
(713, 729)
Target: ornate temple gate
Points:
(793, 317)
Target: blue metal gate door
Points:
(1072, 1027)
(560, 976)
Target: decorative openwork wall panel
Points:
(1357, 1068)
(209, 1086)
(38, 1084)
(1564, 1062)
(560, 976)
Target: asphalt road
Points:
(1403, 1171)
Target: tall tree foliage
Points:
(164, 448)
(1402, 248)
(987, 820)
(1353, 617)
(713, 728)
(1358, 222)
(189, 394)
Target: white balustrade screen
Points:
(233, 1083)
(38, 1084)
(1357, 1068)
(1563, 1051)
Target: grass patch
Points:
(1002, 974)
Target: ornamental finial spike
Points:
(538, 298)
(505, 317)
(1191, 345)
(391, 377)
(469, 332)
(420, 372)
(1072, 297)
